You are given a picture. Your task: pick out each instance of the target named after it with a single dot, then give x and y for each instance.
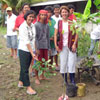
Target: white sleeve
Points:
(23, 35)
(56, 25)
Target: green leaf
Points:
(97, 3)
(40, 72)
(43, 60)
(87, 9)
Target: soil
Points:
(47, 90)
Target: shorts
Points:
(53, 52)
(12, 42)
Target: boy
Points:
(56, 17)
(42, 39)
(51, 23)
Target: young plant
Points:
(46, 69)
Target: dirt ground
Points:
(48, 90)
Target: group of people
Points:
(38, 38)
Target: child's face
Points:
(43, 17)
(57, 11)
(49, 14)
(71, 11)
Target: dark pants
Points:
(25, 60)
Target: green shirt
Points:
(51, 24)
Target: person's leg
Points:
(71, 66)
(12, 52)
(9, 45)
(93, 42)
(14, 45)
(40, 56)
(25, 60)
(63, 63)
(45, 56)
(64, 75)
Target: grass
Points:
(3, 30)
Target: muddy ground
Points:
(48, 90)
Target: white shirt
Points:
(26, 36)
(64, 32)
(95, 34)
(56, 18)
(10, 25)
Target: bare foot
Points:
(20, 84)
(15, 56)
(44, 78)
(11, 55)
(37, 81)
(30, 91)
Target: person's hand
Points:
(50, 52)
(57, 48)
(35, 57)
(52, 38)
(14, 30)
(37, 52)
(73, 48)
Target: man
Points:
(11, 36)
(95, 36)
(20, 18)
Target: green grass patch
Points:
(3, 30)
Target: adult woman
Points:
(26, 47)
(66, 46)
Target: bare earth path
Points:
(48, 90)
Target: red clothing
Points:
(19, 21)
(42, 12)
(43, 54)
(71, 17)
(34, 21)
(71, 37)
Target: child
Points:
(42, 39)
(51, 23)
(56, 17)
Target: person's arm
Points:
(74, 44)
(55, 40)
(16, 27)
(31, 51)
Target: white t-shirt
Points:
(95, 34)
(56, 18)
(26, 36)
(10, 25)
(64, 32)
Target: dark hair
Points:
(56, 6)
(28, 13)
(48, 8)
(24, 5)
(71, 6)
